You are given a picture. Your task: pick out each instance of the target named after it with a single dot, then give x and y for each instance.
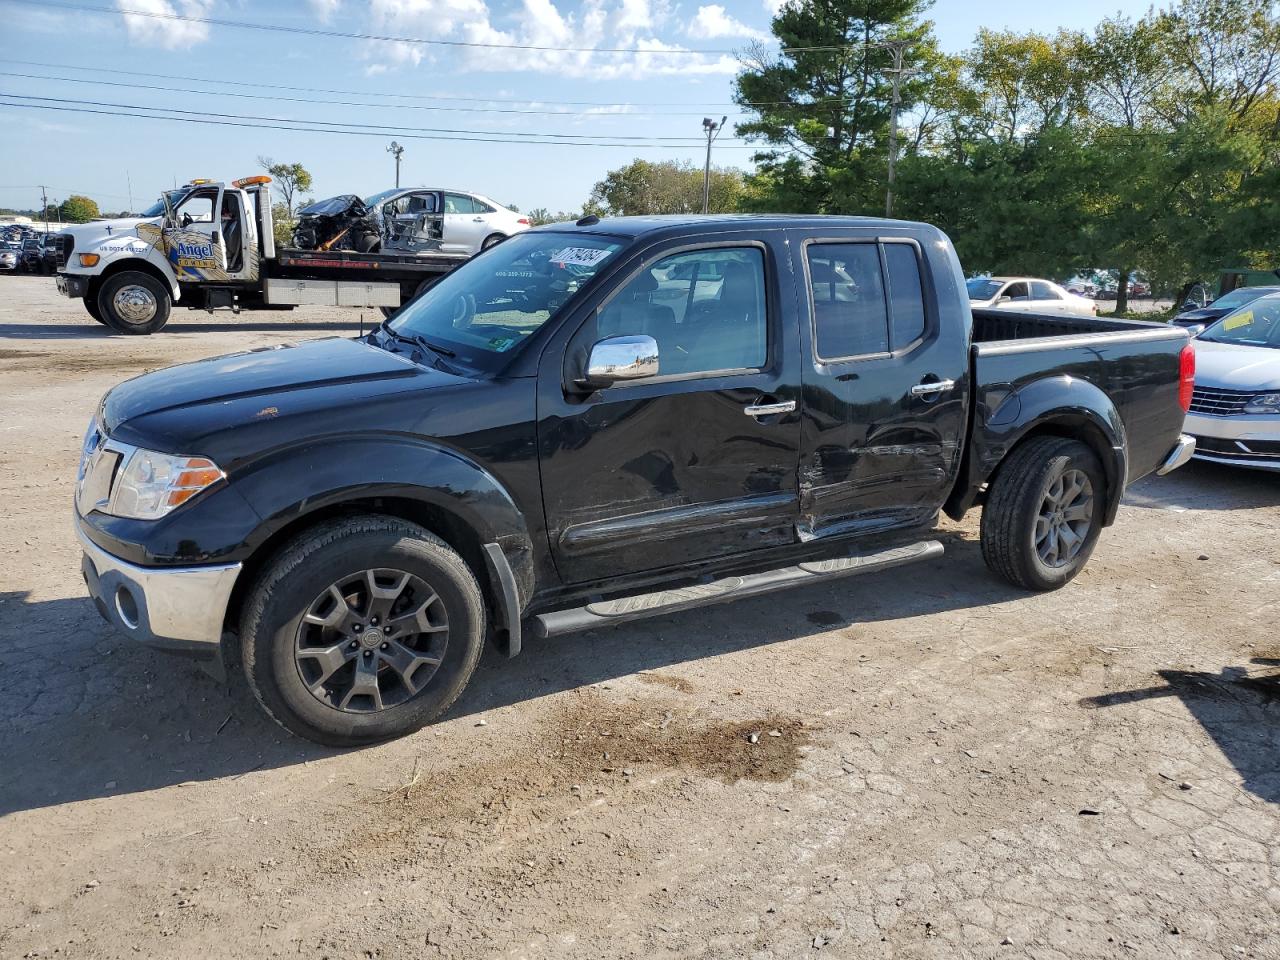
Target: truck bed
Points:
(336, 264)
(1024, 359)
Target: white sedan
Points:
(427, 219)
(1235, 405)
(1027, 294)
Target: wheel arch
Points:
(137, 265)
(1054, 406)
(448, 495)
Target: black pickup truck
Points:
(596, 422)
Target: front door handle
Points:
(477, 219)
(769, 409)
(932, 389)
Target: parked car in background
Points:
(1198, 318)
(49, 252)
(1235, 406)
(1026, 293)
(31, 259)
(10, 254)
(444, 221)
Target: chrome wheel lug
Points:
(357, 628)
(387, 631)
(385, 646)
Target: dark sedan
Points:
(1219, 308)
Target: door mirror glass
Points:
(622, 358)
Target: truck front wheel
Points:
(134, 302)
(91, 305)
(361, 630)
(1043, 513)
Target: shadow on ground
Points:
(92, 715)
(1238, 708)
(1201, 485)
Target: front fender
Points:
(1060, 404)
(301, 480)
(123, 253)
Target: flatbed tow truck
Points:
(210, 245)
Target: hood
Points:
(333, 372)
(1203, 315)
(1231, 366)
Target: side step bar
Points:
(609, 612)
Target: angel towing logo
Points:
(195, 251)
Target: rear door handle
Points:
(932, 389)
(769, 409)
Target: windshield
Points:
(1256, 325)
(1238, 298)
(983, 288)
(490, 305)
(377, 198)
(157, 209)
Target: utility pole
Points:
(44, 199)
(396, 151)
(899, 48)
(712, 130)
(129, 180)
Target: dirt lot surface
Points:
(944, 767)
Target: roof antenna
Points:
(361, 324)
(588, 221)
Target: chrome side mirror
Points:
(1195, 329)
(616, 359)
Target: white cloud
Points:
(538, 23)
(159, 32)
(325, 9)
(774, 7)
(713, 21)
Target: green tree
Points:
(643, 187)
(820, 109)
(289, 178)
(78, 209)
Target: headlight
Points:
(152, 484)
(1264, 403)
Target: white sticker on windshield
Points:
(582, 256)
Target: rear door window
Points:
(850, 314)
(906, 295)
(1043, 291)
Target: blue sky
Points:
(615, 95)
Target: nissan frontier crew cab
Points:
(596, 422)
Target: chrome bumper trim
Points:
(1182, 451)
(176, 608)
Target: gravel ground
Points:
(945, 767)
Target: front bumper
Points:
(72, 286)
(1237, 441)
(172, 608)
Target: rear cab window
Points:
(866, 298)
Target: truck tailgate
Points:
(1022, 359)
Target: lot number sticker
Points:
(582, 256)
(1240, 320)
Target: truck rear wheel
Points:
(1043, 513)
(361, 630)
(134, 302)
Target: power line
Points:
(418, 96)
(355, 133)
(339, 34)
(331, 103)
(550, 137)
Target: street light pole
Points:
(712, 130)
(396, 151)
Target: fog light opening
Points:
(127, 607)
